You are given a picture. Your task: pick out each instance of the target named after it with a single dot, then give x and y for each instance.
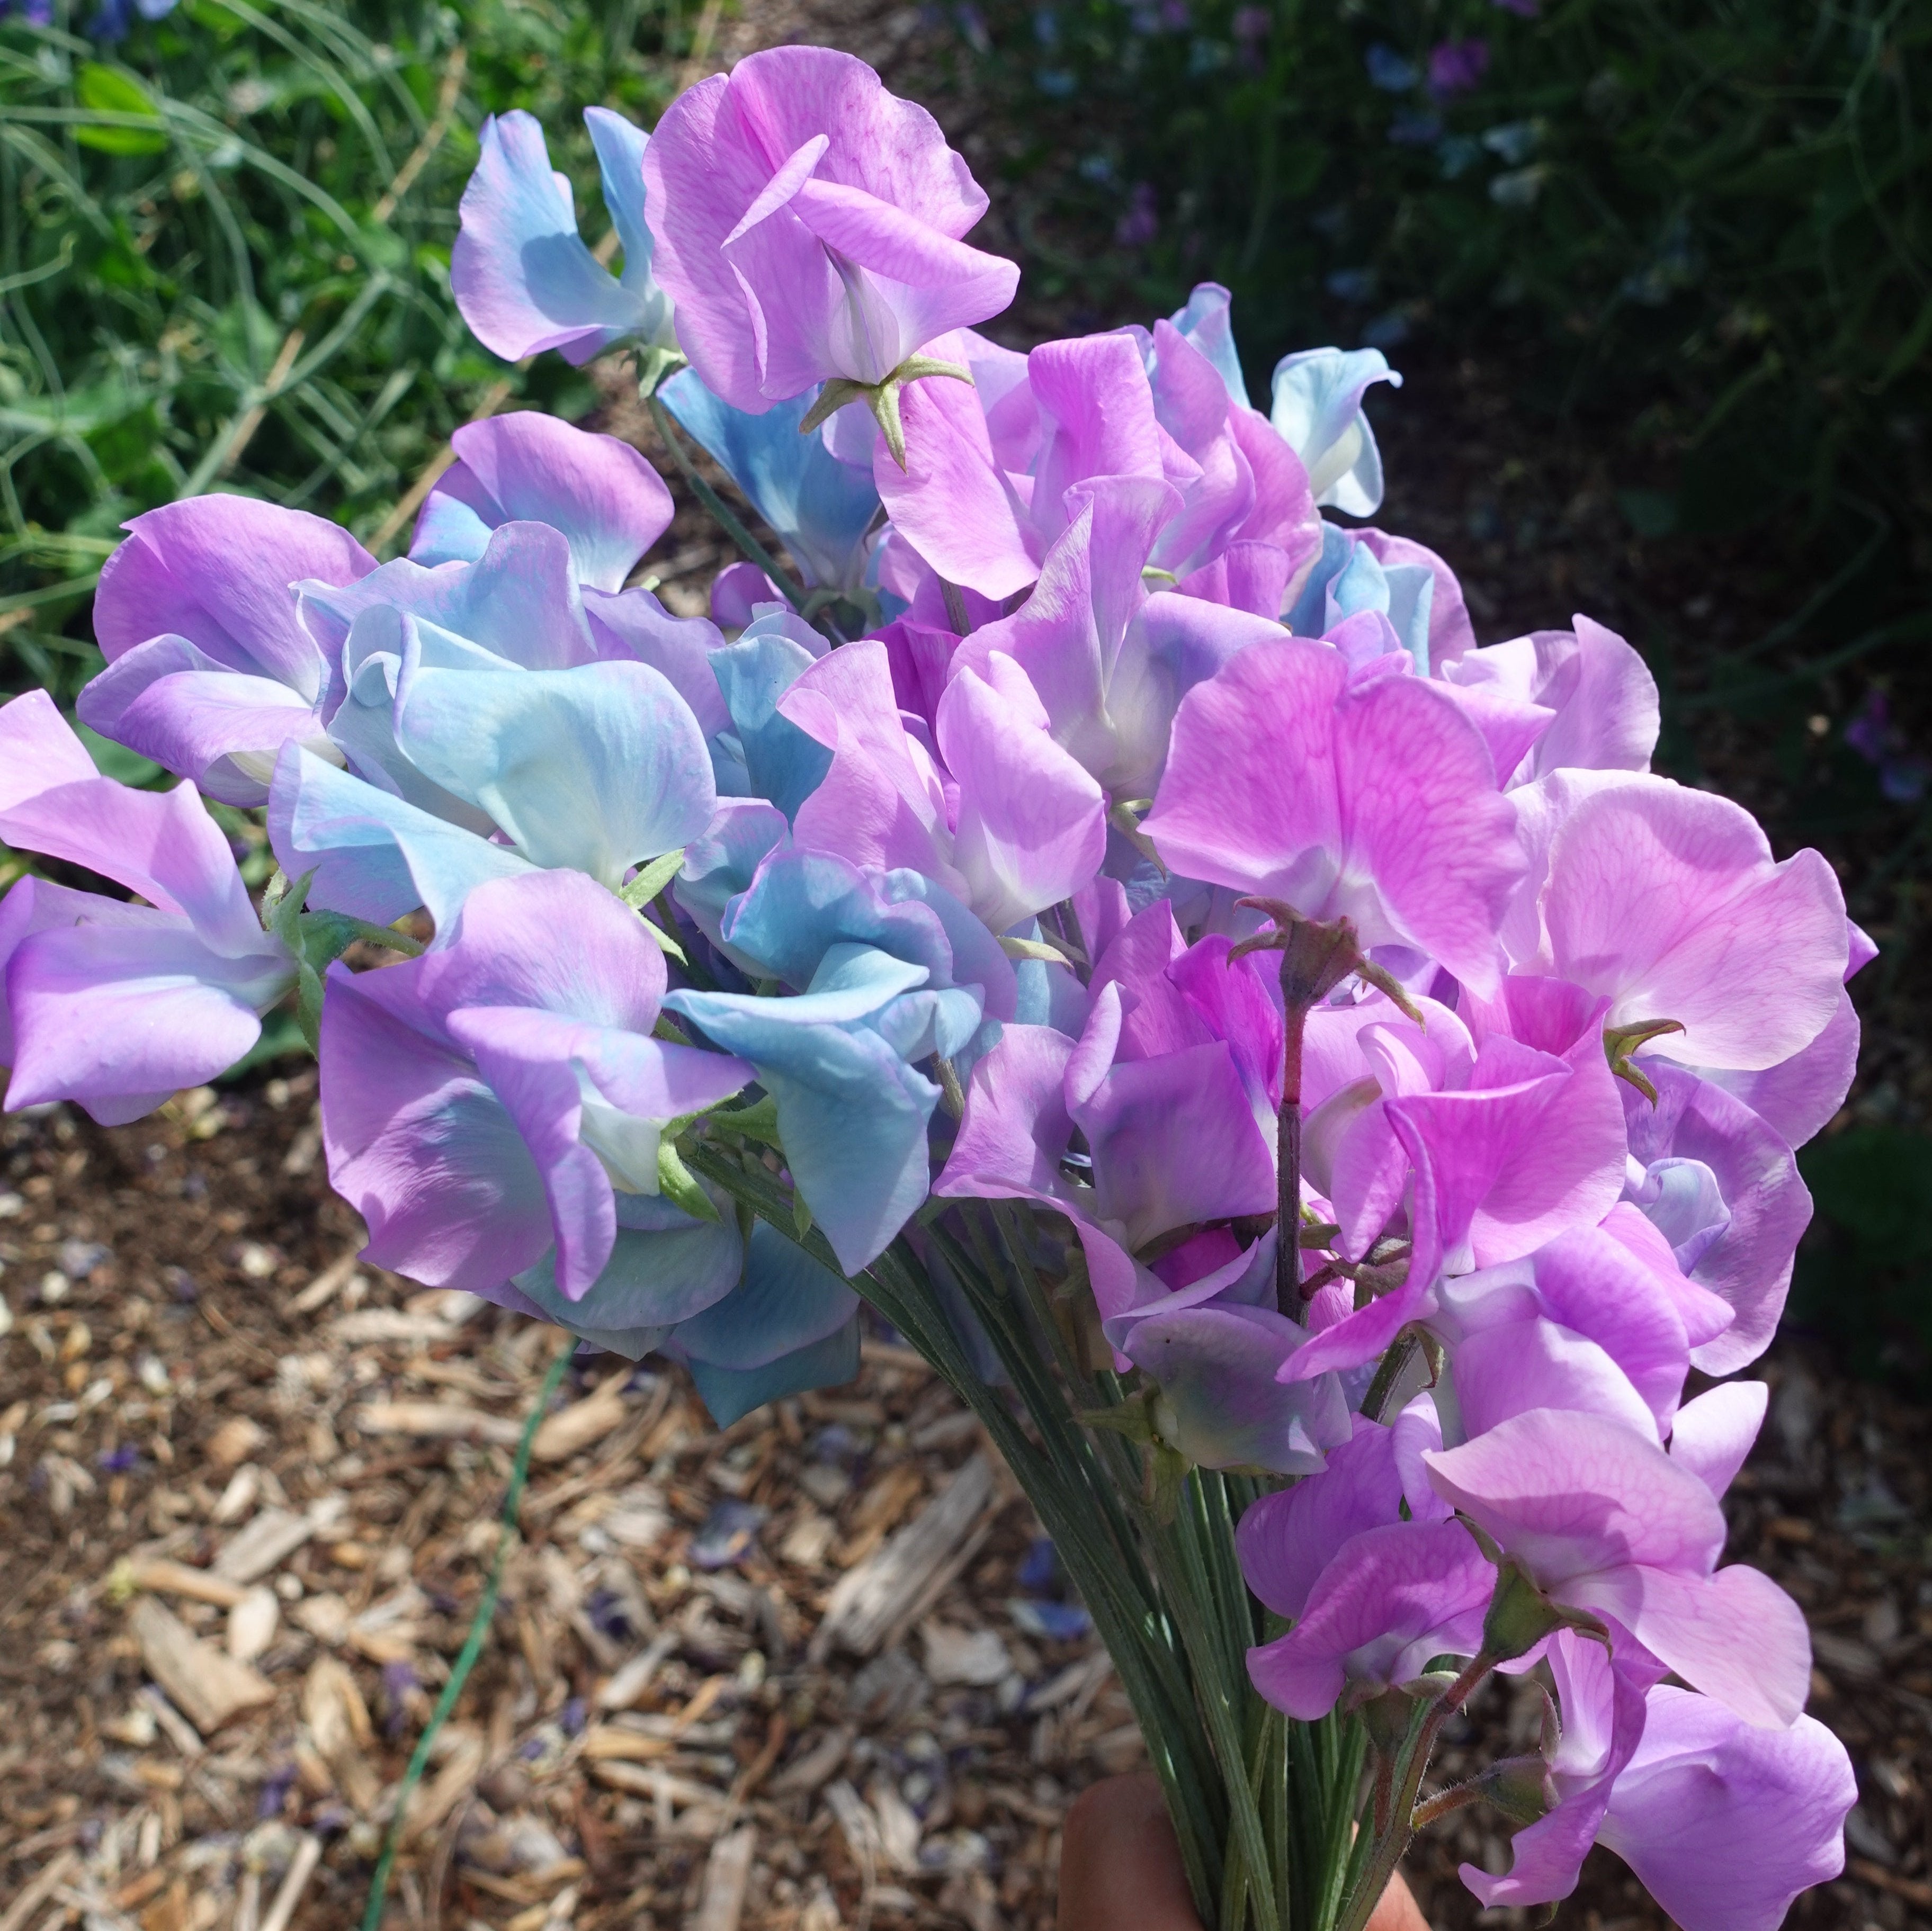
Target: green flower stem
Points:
(472, 1647)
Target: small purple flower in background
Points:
(1457, 66)
(1878, 741)
(1175, 15)
(1140, 224)
(35, 13)
(1524, 10)
(1251, 24)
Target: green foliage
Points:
(1864, 1272)
(224, 258)
(1699, 231)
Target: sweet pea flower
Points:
(1392, 1600)
(1287, 1539)
(809, 225)
(1108, 662)
(1722, 1188)
(1215, 1346)
(1317, 411)
(1169, 1083)
(115, 1005)
(610, 505)
(840, 1061)
(494, 1101)
(1601, 698)
(1667, 901)
(211, 667)
(1602, 1700)
(1725, 1822)
(521, 275)
(598, 768)
(995, 811)
(1378, 803)
(1606, 1523)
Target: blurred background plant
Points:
(224, 260)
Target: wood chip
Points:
(577, 1426)
(208, 1684)
(301, 1868)
(339, 1729)
(893, 1586)
(235, 1441)
(727, 1873)
(272, 1537)
(973, 1656)
(50, 1880)
(438, 1421)
(434, 1801)
(179, 1578)
(252, 1623)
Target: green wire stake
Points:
(472, 1648)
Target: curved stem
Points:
(472, 1648)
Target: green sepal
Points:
(667, 944)
(801, 1213)
(678, 1185)
(1620, 1042)
(316, 940)
(652, 879)
(881, 397)
(1167, 1469)
(758, 1121)
(1519, 1615)
(1125, 818)
(1133, 1418)
(655, 367)
(1033, 949)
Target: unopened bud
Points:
(1519, 1787)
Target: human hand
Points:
(1120, 1868)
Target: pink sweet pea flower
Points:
(1725, 1822)
(1606, 1522)
(211, 667)
(113, 1004)
(1001, 816)
(1667, 901)
(808, 225)
(1378, 803)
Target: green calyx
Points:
(881, 397)
(1520, 1615)
(316, 940)
(1620, 1042)
(1316, 956)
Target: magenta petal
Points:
(169, 700)
(1735, 1635)
(1287, 1539)
(1379, 804)
(529, 467)
(218, 571)
(1031, 828)
(1724, 1822)
(117, 1014)
(1667, 899)
(1573, 1494)
(1392, 1600)
(1713, 1433)
(419, 1146)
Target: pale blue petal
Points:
(784, 763)
(821, 507)
(730, 1393)
(1208, 322)
(596, 768)
(374, 856)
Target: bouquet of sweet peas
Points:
(1292, 1070)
